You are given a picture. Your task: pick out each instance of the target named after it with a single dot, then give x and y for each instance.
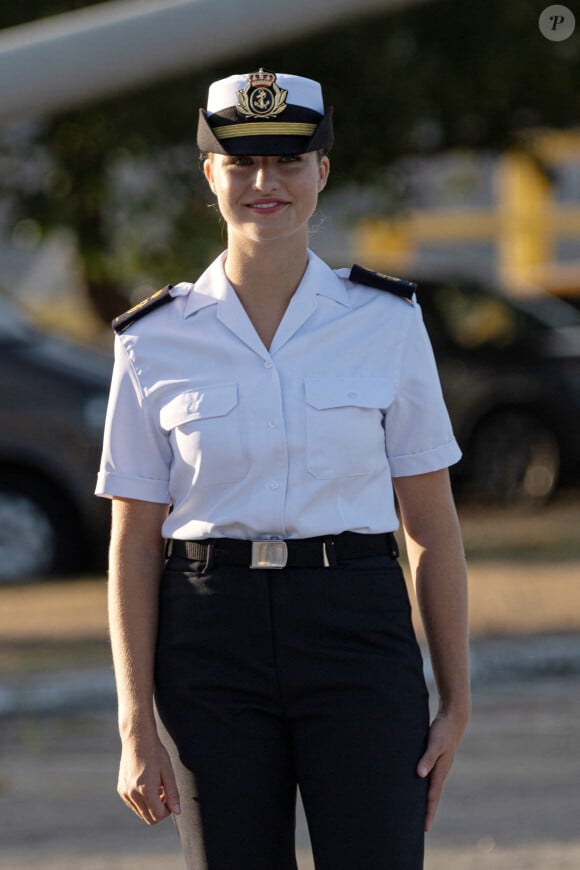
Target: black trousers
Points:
(269, 679)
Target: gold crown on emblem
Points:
(261, 79)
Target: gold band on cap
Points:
(264, 128)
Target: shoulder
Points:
(162, 297)
(389, 304)
(156, 300)
(368, 278)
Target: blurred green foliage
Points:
(123, 173)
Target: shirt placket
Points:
(274, 482)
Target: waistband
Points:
(325, 551)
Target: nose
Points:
(266, 177)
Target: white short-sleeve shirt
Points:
(302, 439)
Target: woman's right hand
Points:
(146, 780)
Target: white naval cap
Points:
(263, 112)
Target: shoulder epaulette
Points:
(404, 289)
(124, 321)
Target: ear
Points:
(208, 172)
(323, 172)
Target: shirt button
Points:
(272, 424)
(267, 365)
(352, 395)
(274, 484)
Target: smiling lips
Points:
(267, 206)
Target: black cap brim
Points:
(297, 133)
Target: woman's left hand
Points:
(444, 735)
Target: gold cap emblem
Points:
(261, 97)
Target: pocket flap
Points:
(324, 393)
(199, 404)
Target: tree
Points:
(416, 80)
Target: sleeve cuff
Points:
(422, 463)
(110, 485)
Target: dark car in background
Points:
(53, 398)
(510, 372)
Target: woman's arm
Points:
(437, 563)
(146, 781)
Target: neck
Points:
(265, 277)
(266, 273)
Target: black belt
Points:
(321, 552)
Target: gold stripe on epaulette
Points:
(144, 302)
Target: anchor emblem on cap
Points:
(261, 97)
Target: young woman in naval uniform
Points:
(261, 422)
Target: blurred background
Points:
(457, 165)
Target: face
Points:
(267, 198)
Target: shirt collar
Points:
(321, 280)
(213, 286)
(209, 288)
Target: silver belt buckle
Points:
(269, 554)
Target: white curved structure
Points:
(57, 63)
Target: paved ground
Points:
(511, 804)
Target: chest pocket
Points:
(344, 426)
(206, 434)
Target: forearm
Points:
(439, 573)
(437, 564)
(135, 564)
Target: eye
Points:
(242, 161)
(290, 158)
